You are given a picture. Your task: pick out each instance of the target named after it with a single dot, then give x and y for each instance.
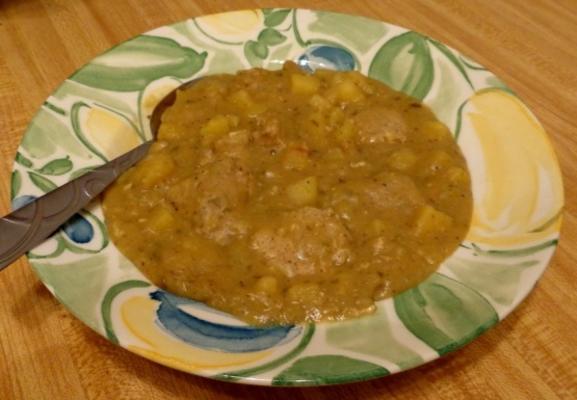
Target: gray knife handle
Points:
(30, 225)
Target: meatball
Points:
(379, 125)
(307, 241)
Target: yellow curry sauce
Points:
(283, 197)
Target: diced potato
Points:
(267, 284)
(319, 102)
(348, 91)
(154, 169)
(431, 221)
(304, 84)
(439, 160)
(345, 209)
(295, 158)
(217, 126)
(457, 175)
(435, 131)
(160, 219)
(241, 99)
(243, 102)
(402, 159)
(303, 192)
(305, 293)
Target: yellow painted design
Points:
(232, 26)
(518, 187)
(138, 315)
(110, 133)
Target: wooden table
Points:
(45, 353)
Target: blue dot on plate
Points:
(327, 57)
(78, 229)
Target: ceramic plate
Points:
(101, 111)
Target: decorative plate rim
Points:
(336, 346)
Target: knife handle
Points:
(30, 225)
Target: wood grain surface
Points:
(45, 353)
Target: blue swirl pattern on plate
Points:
(215, 336)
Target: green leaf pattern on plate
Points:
(25, 162)
(41, 182)
(405, 63)
(255, 52)
(271, 37)
(357, 32)
(59, 166)
(275, 18)
(155, 57)
(481, 275)
(79, 284)
(444, 313)
(476, 287)
(450, 89)
(15, 184)
(378, 341)
(327, 369)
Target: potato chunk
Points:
(160, 219)
(304, 292)
(402, 159)
(457, 176)
(303, 192)
(267, 284)
(241, 99)
(304, 84)
(154, 169)
(216, 127)
(347, 90)
(438, 161)
(244, 102)
(319, 102)
(431, 221)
